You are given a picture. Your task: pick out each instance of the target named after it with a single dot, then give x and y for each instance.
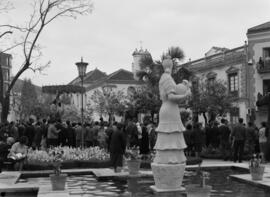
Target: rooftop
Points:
(259, 28)
(120, 76)
(90, 77)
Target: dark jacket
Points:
(144, 148)
(197, 136)
(239, 132)
(117, 142)
(224, 132)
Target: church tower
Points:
(137, 56)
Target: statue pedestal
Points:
(168, 177)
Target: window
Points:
(233, 82)
(266, 86)
(266, 53)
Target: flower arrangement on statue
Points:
(132, 153)
(56, 156)
(255, 162)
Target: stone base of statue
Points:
(168, 177)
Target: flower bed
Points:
(93, 157)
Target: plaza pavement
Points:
(9, 179)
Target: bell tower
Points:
(137, 56)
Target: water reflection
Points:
(136, 189)
(87, 185)
(221, 184)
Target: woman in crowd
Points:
(262, 139)
(18, 153)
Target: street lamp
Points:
(81, 71)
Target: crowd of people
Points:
(231, 140)
(16, 138)
(47, 133)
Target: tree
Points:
(147, 98)
(144, 100)
(109, 102)
(71, 113)
(29, 98)
(44, 12)
(151, 71)
(211, 97)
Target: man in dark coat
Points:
(224, 139)
(250, 138)
(188, 135)
(198, 137)
(132, 134)
(117, 146)
(4, 150)
(71, 138)
(144, 148)
(30, 132)
(239, 136)
(38, 136)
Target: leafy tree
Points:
(43, 13)
(185, 116)
(211, 97)
(144, 100)
(109, 102)
(88, 113)
(71, 113)
(28, 98)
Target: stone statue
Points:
(169, 163)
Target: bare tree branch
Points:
(22, 29)
(5, 6)
(12, 47)
(7, 32)
(44, 12)
(40, 68)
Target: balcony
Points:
(262, 102)
(263, 66)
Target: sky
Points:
(107, 37)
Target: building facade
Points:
(259, 67)
(244, 69)
(5, 64)
(229, 66)
(120, 80)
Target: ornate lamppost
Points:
(81, 71)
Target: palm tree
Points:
(176, 53)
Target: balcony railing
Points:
(263, 66)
